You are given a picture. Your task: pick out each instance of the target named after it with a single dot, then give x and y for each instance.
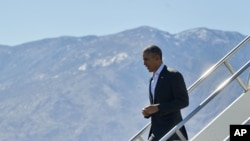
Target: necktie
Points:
(150, 93)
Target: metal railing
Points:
(218, 64)
(224, 61)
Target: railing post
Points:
(230, 68)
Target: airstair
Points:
(236, 112)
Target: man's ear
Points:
(158, 57)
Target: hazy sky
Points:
(28, 20)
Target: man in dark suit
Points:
(167, 94)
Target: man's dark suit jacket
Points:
(171, 94)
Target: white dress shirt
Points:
(155, 79)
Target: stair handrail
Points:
(203, 77)
(206, 101)
(218, 64)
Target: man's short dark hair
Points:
(154, 50)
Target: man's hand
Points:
(149, 110)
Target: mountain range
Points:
(93, 88)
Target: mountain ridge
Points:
(141, 29)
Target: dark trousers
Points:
(174, 137)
